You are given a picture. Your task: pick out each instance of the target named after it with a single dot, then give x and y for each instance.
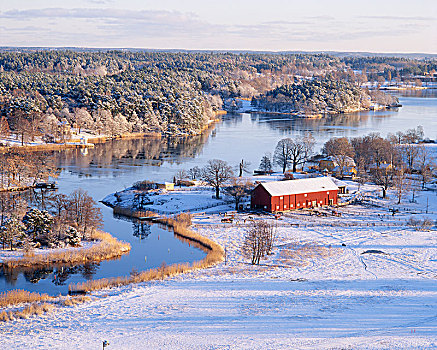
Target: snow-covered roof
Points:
(338, 182)
(316, 184)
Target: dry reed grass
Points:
(26, 312)
(38, 303)
(71, 301)
(108, 248)
(15, 297)
(215, 254)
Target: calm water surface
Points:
(115, 165)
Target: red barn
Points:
(294, 194)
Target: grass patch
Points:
(33, 304)
(26, 312)
(14, 297)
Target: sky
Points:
(402, 26)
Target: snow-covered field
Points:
(168, 202)
(365, 280)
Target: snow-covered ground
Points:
(192, 199)
(364, 280)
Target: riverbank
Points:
(74, 143)
(322, 114)
(107, 248)
(86, 140)
(215, 254)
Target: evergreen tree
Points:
(12, 232)
(38, 224)
(72, 237)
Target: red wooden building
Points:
(277, 196)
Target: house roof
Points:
(338, 182)
(316, 184)
(347, 160)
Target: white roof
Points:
(287, 187)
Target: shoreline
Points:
(98, 139)
(107, 248)
(74, 143)
(215, 254)
(321, 114)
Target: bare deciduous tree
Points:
(426, 164)
(194, 172)
(243, 166)
(83, 213)
(82, 119)
(341, 150)
(401, 184)
(266, 163)
(181, 175)
(238, 189)
(293, 152)
(384, 178)
(259, 241)
(216, 173)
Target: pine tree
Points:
(73, 237)
(38, 225)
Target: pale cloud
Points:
(401, 18)
(115, 27)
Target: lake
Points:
(116, 165)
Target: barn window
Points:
(298, 204)
(305, 195)
(291, 205)
(327, 192)
(303, 204)
(277, 207)
(281, 197)
(285, 205)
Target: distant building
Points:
(330, 164)
(385, 167)
(278, 196)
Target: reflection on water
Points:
(125, 153)
(115, 165)
(58, 275)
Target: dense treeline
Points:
(320, 96)
(312, 96)
(391, 67)
(113, 92)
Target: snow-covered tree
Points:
(72, 237)
(38, 225)
(12, 232)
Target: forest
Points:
(48, 93)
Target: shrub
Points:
(184, 219)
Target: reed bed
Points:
(71, 301)
(215, 254)
(108, 248)
(33, 304)
(28, 311)
(18, 296)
